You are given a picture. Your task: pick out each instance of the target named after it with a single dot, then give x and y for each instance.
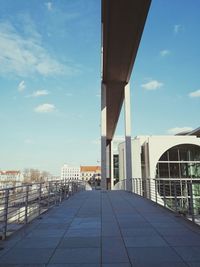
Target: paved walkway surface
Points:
(106, 229)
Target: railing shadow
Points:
(179, 195)
(20, 205)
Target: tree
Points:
(35, 176)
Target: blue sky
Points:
(50, 79)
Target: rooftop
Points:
(90, 168)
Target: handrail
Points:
(181, 195)
(21, 204)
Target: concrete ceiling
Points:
(122, 26)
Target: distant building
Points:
(10, 178)
(91, 174)
(69, 173)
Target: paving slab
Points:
(80, 242)
(27, 256)
(104, 229)
(76, 255)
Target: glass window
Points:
(174, 170)
(173, 154)
(185, 170)
(164, 157)
(163, 170)
(196, 189)
(194, 153)
(184, 153)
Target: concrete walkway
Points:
(107, 229)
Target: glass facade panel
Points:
(174, 170)
(163, 170)
(173, 154)
(195, 170)
(180, 162)
(194, 153)
(185, 170)
(196, 189)
(184, 153)
(180, 153)
(164, 157)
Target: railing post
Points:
(65, 191)
(135, 185)
(60, 186)
(191, 201)
(164, 193)
(26, 204)
(156, 191)
(70, 188)
(175, 197)
(56, 192)
(49, 188)
(40, 196)
(6, 204)
(149, 188)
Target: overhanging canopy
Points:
(122, 26)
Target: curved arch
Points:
(179, 146)
(165, 149)
(177, 155)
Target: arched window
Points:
(177, 172)
(181, 161)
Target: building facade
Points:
(91, 174)
(165, 168)
(10, 178)
(162, 157)
(70, 173)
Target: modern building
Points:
(166, 167)
(162, 156)
(70, 173)
(10, 178)
(91, 174)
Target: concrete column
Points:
(109, 168)
(128, 145)
(103, 136)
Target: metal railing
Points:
(19, 205)
(179, 195)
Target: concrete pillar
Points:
(128, 145)
(109, 166)
(103, 137)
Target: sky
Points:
(50, 79)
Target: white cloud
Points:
(45, 108)
(39, 93)
(21, 86)
(49, 6)
(152, 85)
(165, 53)
(24, 54)
(178, 28)
(176, 130)
(194, 94)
